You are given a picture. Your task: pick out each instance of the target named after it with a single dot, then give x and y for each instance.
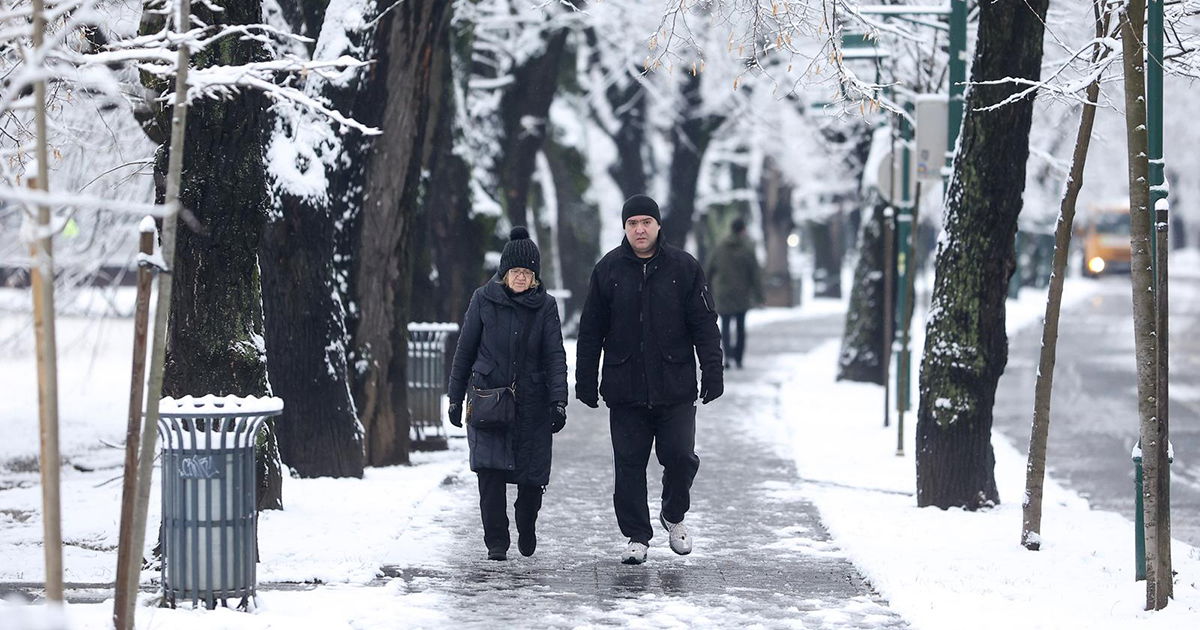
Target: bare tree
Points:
(1035, 469)
(1153, 434)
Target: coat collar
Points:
(533, 299)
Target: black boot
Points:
(527, 541)
(498, 553)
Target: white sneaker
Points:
(681, 542)
(635, 553)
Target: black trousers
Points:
(672, 431)
(735, 349)
(493, 507)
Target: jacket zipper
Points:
(642, 321)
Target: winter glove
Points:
(456, 414)
(587, 396)
(558, 417)
(711, 388)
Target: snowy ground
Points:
(938, 569)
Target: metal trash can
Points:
(427, 383)
(209, 494)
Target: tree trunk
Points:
(319, 433)
(690, 136)
(458, 238)
(525, 118)
(863, 353)
(1035, 470)
(215, 343)
(1158, 577)
(828, 251)
(966, 348)
(578, 221)
(629, 106)
(395, 97)
(775, 200)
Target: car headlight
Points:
(1096, 264)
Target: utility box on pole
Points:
(932, 113)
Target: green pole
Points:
(958, 75)
(904, 229)
(1154, 112)
(1139, 521)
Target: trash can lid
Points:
(211, 405)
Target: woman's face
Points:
(518, 279)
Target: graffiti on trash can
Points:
(200, 467)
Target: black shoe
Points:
(497, 554)
(527, 542)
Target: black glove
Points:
(587, 396)
(455, 414)
(711, 388)
(558, 417)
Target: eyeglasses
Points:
(521, 273)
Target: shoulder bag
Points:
(496, 408)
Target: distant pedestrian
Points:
(737, 287)
(649, 310)
(511, 339)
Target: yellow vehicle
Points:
(1105, 239)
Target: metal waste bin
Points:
(427, 383)
(209, 494)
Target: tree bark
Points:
(215, 343)
(1035, 469)
(1158, 577)
(690, 136)
(775, 201)
(395, 97)
(863, 354)
(966, 347)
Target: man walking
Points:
(737, 286)
(648, 308)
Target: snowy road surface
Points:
(1094, 421)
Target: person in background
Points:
(511, 335)
(737, 287)
(649, 310)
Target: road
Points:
(1094, 422)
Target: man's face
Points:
(642, 232)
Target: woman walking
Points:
(510, 357)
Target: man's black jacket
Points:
(652, 319)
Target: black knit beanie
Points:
(638, 205)
(519, 251)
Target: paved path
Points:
(761, 558)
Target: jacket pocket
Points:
(679, 375)
(482, 367)
(616, 382)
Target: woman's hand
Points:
(455, 414)
(558, 417)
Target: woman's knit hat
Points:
(519, 251)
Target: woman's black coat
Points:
(487, 356)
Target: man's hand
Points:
(455, 414)
(587, 396)
(558, 417)
(711, 388)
